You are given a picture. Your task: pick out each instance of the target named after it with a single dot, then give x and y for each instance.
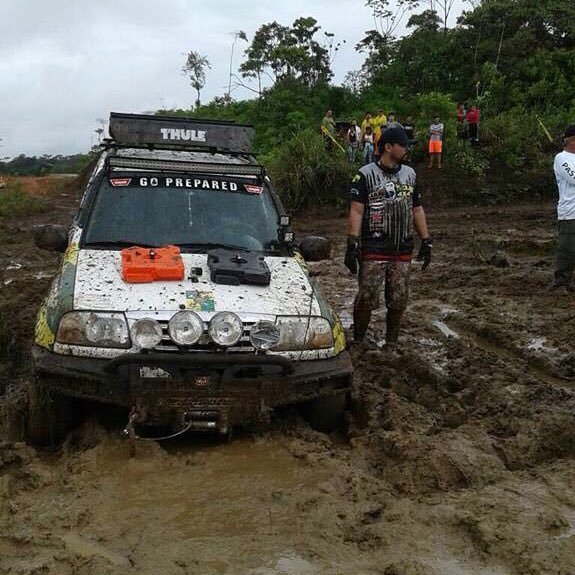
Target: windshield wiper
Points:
(117, 243)
(213, 246)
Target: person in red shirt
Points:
(472, 118)
(461, 123)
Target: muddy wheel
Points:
(50, 417)
(326, 414)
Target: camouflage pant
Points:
(374, 276)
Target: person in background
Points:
(328, 129)
(376, 123)
(367, 121)
(391, 122)
(435, 132)
(472, 118)
(564, 168)
(409, 128)
(367, 145)
(385, 210)
(461, 122)
(352, 138)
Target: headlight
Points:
(97, 329)
(264, 335)
(186, 327)
(298, 333)
(146, 333)
(226, 328)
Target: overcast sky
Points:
(66, 63)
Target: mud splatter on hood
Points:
(99, 286)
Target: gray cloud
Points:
(65, 63)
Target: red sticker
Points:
(120, 182)
(251, 189)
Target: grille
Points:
(205, 344)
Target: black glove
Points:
(424, 254)
(352, 254)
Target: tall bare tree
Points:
(195, 68)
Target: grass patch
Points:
(14, 202)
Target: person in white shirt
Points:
(564, 167)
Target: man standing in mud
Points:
(564, 167)
(385, 208)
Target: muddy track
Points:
(459, 460)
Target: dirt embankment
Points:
(459, 460)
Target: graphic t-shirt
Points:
(564, 167)
(389, 197)
(436, 132)
(410, 131)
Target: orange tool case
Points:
(142, 265)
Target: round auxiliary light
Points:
(264, 335)
(146, 333)
(226, 328)
(186, 328)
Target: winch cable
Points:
(129, 431)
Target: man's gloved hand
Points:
(352, 254)
(424, 254)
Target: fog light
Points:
(226, 328)
(147, 333)
(186, 328)
(264, 335)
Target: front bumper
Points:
(170, 388)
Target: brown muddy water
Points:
(459, 460)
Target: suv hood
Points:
(99, 286)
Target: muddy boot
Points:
(361, 320)
(392, 323)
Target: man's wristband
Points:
(353, 240)
(427, 242)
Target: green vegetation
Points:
(14, 202)
(515, 59)
(305, 174)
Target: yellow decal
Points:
(299, 259)
(338, 337)
(71, 255)
(44, 336)
(356, 178)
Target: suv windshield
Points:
(191, 211)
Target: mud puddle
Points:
(504, 353)
(463, 463)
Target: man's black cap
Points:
(570, 131)
(393, 135)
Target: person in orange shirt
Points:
(435, 132)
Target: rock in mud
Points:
(315, 248)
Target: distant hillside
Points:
(24, 165)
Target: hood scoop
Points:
(235, 268)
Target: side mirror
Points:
(51, 237)
(315, 248)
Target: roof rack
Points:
(182, 133)
(188, 167)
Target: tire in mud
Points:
(50, 416)
(326, 414)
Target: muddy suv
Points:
(181, 296)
